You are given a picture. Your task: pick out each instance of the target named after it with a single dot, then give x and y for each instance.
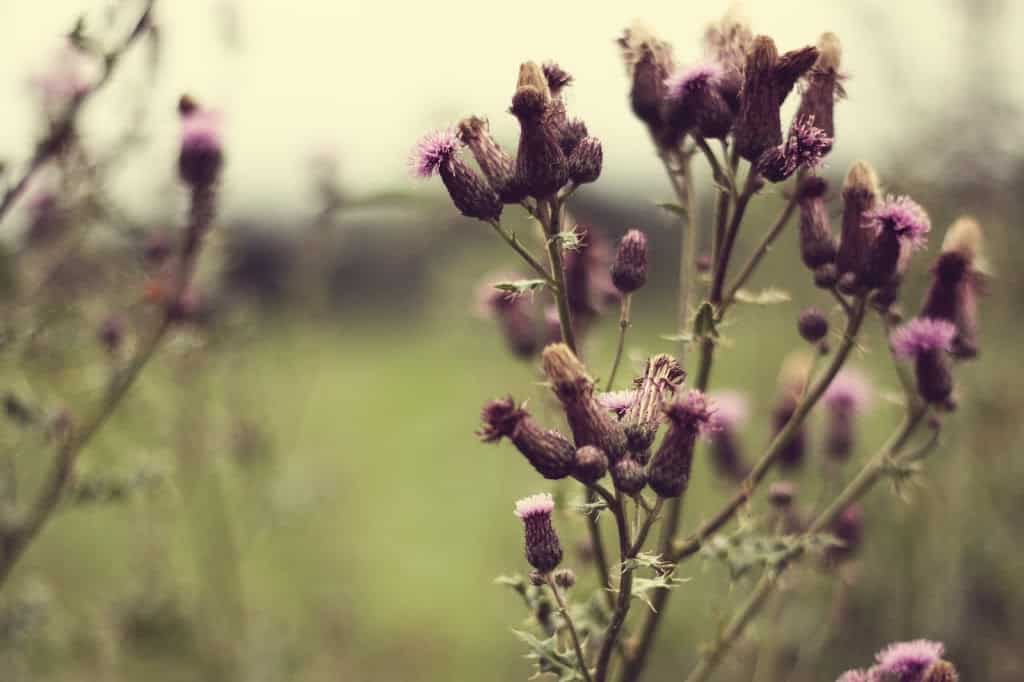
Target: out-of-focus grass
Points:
(368, 535)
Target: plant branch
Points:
(721, 266)
(513, 241)
(551, 230)
(623, 326)
(564, 611)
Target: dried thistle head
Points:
(495, 163)
(958, 279)
(648, 62)
(437, 152)
(860, 195)
(817, 245)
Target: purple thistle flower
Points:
(431, 151)
(908, 660)
(849, 392)
(696, 409)
(807, 144)
(617, 402)
(707, 74)
(535, 505)
(904, 217)
(923, 334)
(202, 155)
(732, 409)
(543, 550)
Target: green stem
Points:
(551, 229)
(569, 624)
(511, 239)
(677, 166)
(721, 266)
(623, 326)
(624, 598)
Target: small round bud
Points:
(590, 464)
(826, 276)
(628, 475)
(629, 271)
(812, 325)
(536, 578)
(848, 284)
(201, 155)
(585, 161)
(781, 494)
(565, 578)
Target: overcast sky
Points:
(363, 80)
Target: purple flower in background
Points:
(908, 660)
(904, 217)
(849, 392)
(923, 334)
(697, 77)
(431, 151)
(69, 74)
(857, 676)
(617, 402)
(731, 410)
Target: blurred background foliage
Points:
(294, 490)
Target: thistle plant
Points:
(633, 451)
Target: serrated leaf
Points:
(588, 508)
(650, 560)
(643, 586)
(569, 240)
(549, 659)
(746, 549)
(770, 296)
(520, 287)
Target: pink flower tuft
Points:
(806, 144)
(906, 660)
(618, 402)
(535, 505)
(850, 392)
(702, 75)
(695, 411)
(201, 130)
(905, 217)
(731, 410)
(923, 334)
(432, 150)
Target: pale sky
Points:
(363, 80)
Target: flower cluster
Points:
(917, 661)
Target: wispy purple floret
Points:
(731, 410)
(903, 216)
(535, 505)
(923, 334)
(432, 150)
(617, 402)
(703, 75)
(850, 391)
(201, 130)
(695, 410)
(806, 144)
(907, 660)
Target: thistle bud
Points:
(565, 578)
(111, 334)
(543, 550)
(590, 464)
(899, 227)
(571, 134)
(669, 470)
(848, 396)
(957, 280)
(860, 195)
(826, 276)
(781, 494)
(472, 196)
(727, 42)
(550, 453)
(812, 324)
(805, 147)
(907, 661)
(628, 475)
(201, 155)
(731, 412)
(648, 63)
(823, 87)
(497, 166)
(541, 166)
(817, 245)
(941, 671)
(537, 579)
(585, 161)
(591, 424)
(792, 379)
(629, 271)
(694, 101)
(928, 341)
(849, 529)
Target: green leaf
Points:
(746, 549)
(520, 287)
(591, 508)
(655, 562)
(769, 296)
(569, 240)
(642, 587)
(548, 658)
(674, 209)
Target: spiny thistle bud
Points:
(823, 86)
(541, 166)
(585, 161)
(111, 334)
(497, 166)
(591, 424)
(812, 324)
(629, 271)
(202, 154)
(543, 550)
(590, 465)
(565, 578)
(731, 412)
(513, 313)
(958, 277)
(805, 147)
(899, 227)
(860, 195)
(472, 196)
(907, 661)
(848, 396)
(941, 671)
(694, 101)
(550, 453)
(648, 63)
(817, 245)
(927, 341)
(661, 378)
(628, 475)
(669, 470)
(571, 134)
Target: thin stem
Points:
(63, 128)
(569, 624)
(551, 229)
(641, 537)
(719, 175)
(623, 326)
(513, 241)
(759, 253)
(678, 168)
(600, 555)
(624, 598)
(721, 266)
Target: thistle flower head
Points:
(907, 660)
(706, 74)
(617, 402)
(557, 77)
(728, 40)
(965, 237)
(432, 150)
(732, 409)
(201, 154)
(923, 334)
(694, 412)
(902, 216)
(500, 418)
(849, 392)
(807, 144)
(541, 504)
(629, 271)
